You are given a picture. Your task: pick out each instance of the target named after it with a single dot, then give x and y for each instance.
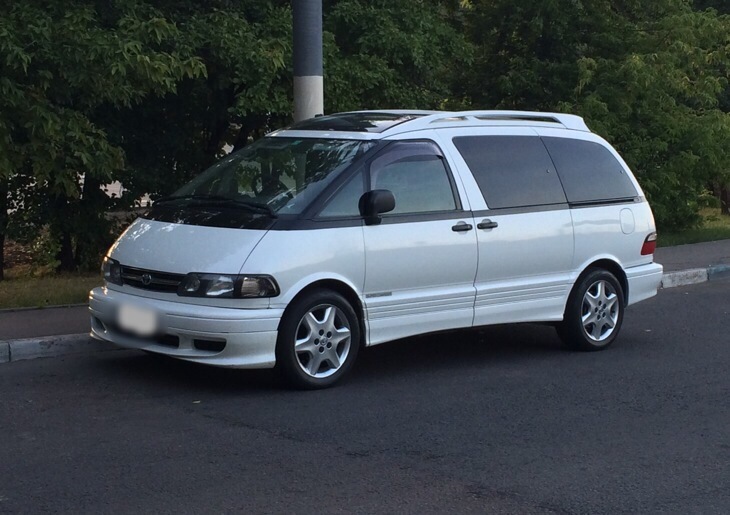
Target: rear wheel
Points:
(319, 339)
(594, 312)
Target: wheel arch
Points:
(343, 289)
(610, 266)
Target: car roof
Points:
(368, 125)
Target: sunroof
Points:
(354, 122)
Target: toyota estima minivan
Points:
(355, 229)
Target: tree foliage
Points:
(59, 64)
(150, 92)
(647, 76)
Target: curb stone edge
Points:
(50, 346)
(695, 276)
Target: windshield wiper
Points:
(250, 204)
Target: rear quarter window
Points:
(589, 171)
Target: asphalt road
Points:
(497, 421)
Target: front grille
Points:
(151, 279)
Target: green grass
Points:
(714, 227)
(22, 291)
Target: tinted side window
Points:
(417, 176)
(589, 171)
(511, 171)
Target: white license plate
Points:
(140, 321)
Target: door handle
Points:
(487, 224)
(462, 227)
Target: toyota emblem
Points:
(146, 279)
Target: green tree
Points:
(246, 50)
(659, 103)
(722, 187)
(648, 76)
(60, 62)
(388, 54)
(377, 54)
(150, 93)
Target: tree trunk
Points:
(2, 257)
(3, 224)
(90, 241)
(249, 126)
(61, 229)
(66, 254)
(725, 199)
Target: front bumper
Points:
(224, 337)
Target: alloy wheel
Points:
(600, 311)
(323, 340)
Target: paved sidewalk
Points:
(64, 330)
(35, 323)
(697, 255)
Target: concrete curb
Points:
(55, 346)
(684, 277)
(38, 308)
(718, 272)
(695, 276)
(50, 346)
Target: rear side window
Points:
(511, 171)
(589, 171)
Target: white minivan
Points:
(354, 229)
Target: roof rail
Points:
(568, 121)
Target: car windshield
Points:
(273, 175)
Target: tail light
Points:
(649, 245)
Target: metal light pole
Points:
(308, 82)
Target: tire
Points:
(318, 341)
(594, 312)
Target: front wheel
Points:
(594, 312)
(319, 339)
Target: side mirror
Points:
(374, 203)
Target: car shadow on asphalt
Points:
(158, 371)
(414, 358)
(461, 349)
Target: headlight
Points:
(228, 286)
(111, 271)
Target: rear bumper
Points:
(236, 338)
(644, 281)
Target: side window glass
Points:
(345, 202)
(417, 176)
(511, 171)
(589, 171)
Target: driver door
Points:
(421, 259)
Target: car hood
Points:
(181, 248)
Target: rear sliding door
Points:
(524, 231)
